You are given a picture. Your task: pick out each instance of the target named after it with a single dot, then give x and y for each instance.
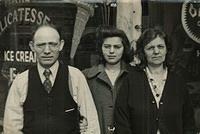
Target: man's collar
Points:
(53, 68)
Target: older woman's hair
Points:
(104, 32)
(146, 37)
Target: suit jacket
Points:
(136, 111)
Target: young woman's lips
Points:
(111, 57)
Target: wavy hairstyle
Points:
(104, 32)
(146, 37)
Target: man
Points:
(49, 98)
(3, 95)
(106, 78)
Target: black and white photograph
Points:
(99, 67)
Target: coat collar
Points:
(99, 70)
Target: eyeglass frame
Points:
(52, 46)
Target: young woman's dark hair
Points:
(104, 32)
(146, 37)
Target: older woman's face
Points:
(155, 52)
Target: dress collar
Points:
(150, 75)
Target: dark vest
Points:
(50, 113)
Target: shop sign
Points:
(23, 14)
(191, 19)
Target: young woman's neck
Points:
(114, 67)
(156, 69)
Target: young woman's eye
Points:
(106, 46)
(117, 47)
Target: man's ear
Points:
(31, 45)
(62, 42)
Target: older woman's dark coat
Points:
(136, 111)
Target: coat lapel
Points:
(169, 85)
(104, 77)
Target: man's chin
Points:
(46, 64)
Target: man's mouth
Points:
(47, 57)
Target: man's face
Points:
(112, 49)
(155, 52)
(47, 46)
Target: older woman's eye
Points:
(161, 46)
(150, 48)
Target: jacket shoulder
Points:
(74, 72)
(73, 69)
(91, 72)
(23, 75)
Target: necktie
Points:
(47, 83)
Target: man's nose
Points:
(47, 49)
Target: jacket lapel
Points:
(104, 77)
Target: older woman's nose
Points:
(156, 50)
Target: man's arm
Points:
(83, 97)
(13, 116)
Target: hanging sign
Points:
(191, 19)
(24, 14)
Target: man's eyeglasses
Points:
(51, 45)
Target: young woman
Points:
(106, 78)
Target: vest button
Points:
(157, 119)
(161, 103)
(110, 106)
(153, 102)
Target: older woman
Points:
(153, 100)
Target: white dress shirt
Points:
(13, 116)
(53, 69)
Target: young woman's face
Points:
(112, 49)
(155, 52)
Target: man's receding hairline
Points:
(45, 26)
